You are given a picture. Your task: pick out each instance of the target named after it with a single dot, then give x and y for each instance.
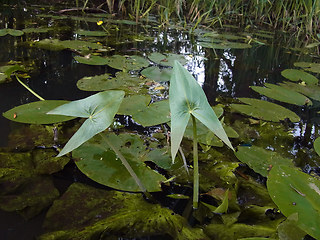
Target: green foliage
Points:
(187, 98)
(167, 59)
(36, 112)
(101, 164)
(127, 63)
(12, 32)
(157, 74)
(260, 160)
(299, 75)
(264, 110)
(296, 192)
(308, 66)
(282, 94)
(99, 109)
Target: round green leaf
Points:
(296, 192)
(157, 74)
(92, 60)
(307, 90)
(316, 145)
(127, 63)
(168, 59)
(36, 112)
(92, 33)
(282, 94)
(98, 162)
(299, 75)
(224, 45)
(264, 110)
(12, 32)
(260, 160)
(312, 67)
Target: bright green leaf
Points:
(282, 94)
(99, 109)
(309, 91)
(12, 32)
(264, 110)
(168, 59)
(296, 192)
(186, 98)
(157, 74)
(127, 63)
(92, 60)
(36, 112)
(299, 75)
(312, 67)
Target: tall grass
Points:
(300, 16)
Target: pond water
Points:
(224, 74)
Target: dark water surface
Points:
(222, 73)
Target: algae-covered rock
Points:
(85, 212)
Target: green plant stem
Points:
(29, 89)
(195, 165)
(127, 166)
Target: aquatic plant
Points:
(187, 99)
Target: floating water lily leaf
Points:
(127, 63)
(123, 81)
(92, 33)
(282, 94)
(12, 32)
(111, 215)
(167, 59)
(288, 229)
(312, 67)
(7, 70)
(36, 30)
(98, 162)
(99, 108)
(57, 45)
(186, 98)
(260, 160)
(296, 192)
(309, 91)
(264, 110)
(157, 74)
(133, 104)
(92, 60)
(154, 114)
(316, 145)
(224, 45)
(299, 75)
(36, 112)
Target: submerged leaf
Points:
(186, 98)
(99, 108)
(296, 192)
(264, 110)
(36, 112)
(113, 215)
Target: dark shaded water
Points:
(222, 73)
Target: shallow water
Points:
(223, 74)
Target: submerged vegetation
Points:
(150, 155)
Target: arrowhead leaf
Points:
(187, 97)
(99, 109)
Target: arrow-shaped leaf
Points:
(99, 109)
(186, 98)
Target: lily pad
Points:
(154, 114)
(157, 74)
(97, 161)
(299, 75)
(127, 63)
(264, 110)
(308, 66)
(91, 33)
(36, 112)
(37, 30)
(123, 81)
(309, 91)
(7, 70)
(282, 94)
(133, 104)
(112, 215)
(316, 145)
(167, 59)
(224, 45)
(12, 32)
(57, 45)
(260, 160)
(92, 60)
(296, 192)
